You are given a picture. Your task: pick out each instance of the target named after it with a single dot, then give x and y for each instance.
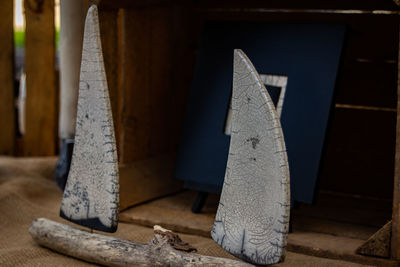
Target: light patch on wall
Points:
(19, 19)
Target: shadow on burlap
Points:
(27, 192)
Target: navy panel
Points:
(307, 53)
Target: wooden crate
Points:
(150, 49)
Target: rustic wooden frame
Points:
(41, 99)
(7, 111)
(395, 242)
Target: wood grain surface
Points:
(7, 113)
(41, 116)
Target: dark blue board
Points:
(307, 53)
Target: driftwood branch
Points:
(165, 249)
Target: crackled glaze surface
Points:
(253, 215)
(91, 195)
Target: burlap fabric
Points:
(27, 191)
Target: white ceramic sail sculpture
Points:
(91, 195)
(253, 215)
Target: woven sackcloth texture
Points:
(27, 192)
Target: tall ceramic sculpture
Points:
(253, 215)
(91, 195)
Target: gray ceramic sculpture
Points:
(91, 196)
(253, 215)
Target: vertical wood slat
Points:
(147, 106)
(108, 19)
(395, 244)
(160, 87)
(134, 83)
(152, 92)
(41, 121)
(7, 111)
(186, 32)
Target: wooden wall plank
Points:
(152, 94)
(187, 30)
(145, 104)
(7, 111)
(395, 244)
(359, 153)
(134, 83)
(41, 120)
(286, 4)
(160, 86)
(368, 71)
(108, 19)
(366, 84)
